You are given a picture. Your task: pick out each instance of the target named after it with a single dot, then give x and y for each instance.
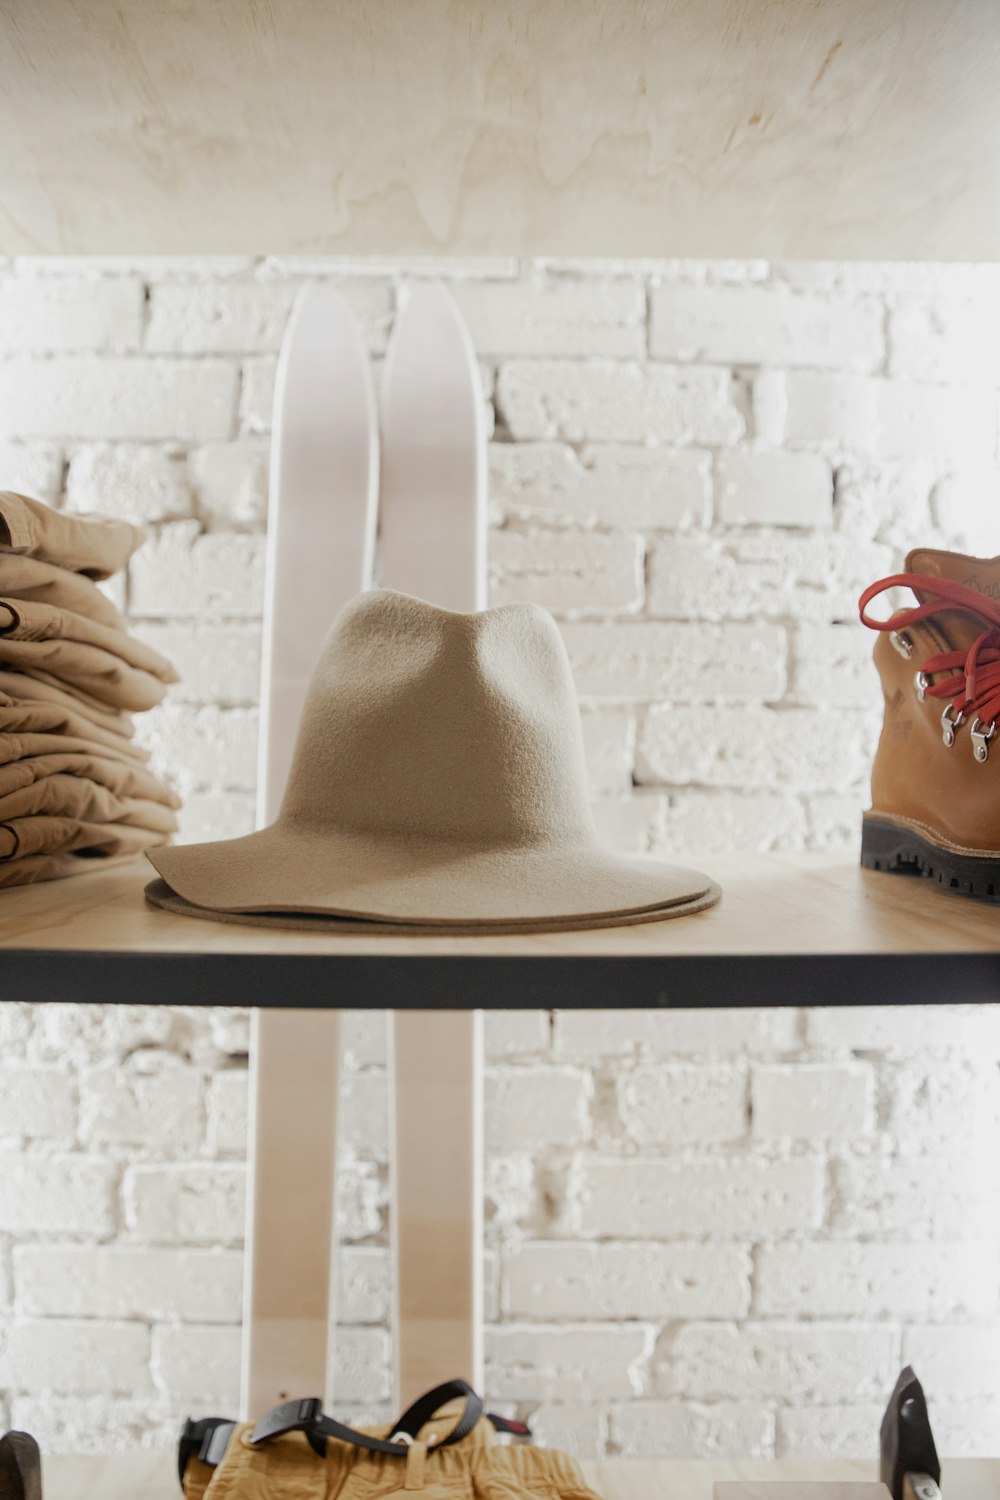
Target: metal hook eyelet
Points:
(922, 682)
(981, 739)
(902, 643)
(949, 725)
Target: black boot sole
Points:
(20, 1467)
(900, 850)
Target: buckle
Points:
(206, 1439)
(291, 1416)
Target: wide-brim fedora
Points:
(438, 782)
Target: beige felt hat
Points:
(438, 781)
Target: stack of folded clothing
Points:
(74, 788)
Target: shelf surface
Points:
(790, 930)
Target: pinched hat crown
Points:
(455, 726)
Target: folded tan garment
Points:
(64, 796)
(25, 620)
(40, 687)
(29, 578)
(22, 837)
(94, 545)
(34, 868)
(28, 717)
(23, 747)
(123, 779)
(88, 669)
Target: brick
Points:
(832, 666)
(686, 1430)
(183, 572)
(230, 484)
(834, 821)
(763, 573)
(893, 418)
(945, 339)
(773, 489)
(364, 1037)
(679, 1104)
(962, 508)
(586, 1034)
(32, 469)
(362, 1372)
(954, 1361)
(363, 1285)
(753, 747)
(227, 1112)
(769, 406)
(118, 398)
(37, 1103)
(206, 746)
(57, 1195)
(61, 1354)
(809, 1101)
(90, 1034)
(210, 815)
(885, 500)
(890, 1194)
(919, 1029)
(199, 1362)
(566, 1363)
(685, 662)
(151, 268)
(628, 825)
(567, 570)
(765, 325)
(469, 267)
(596, 1282)
(257, 393)
(248, 317)
(361, 1201)
(577, 1427)
(218, 664)
(513, 1194)
(967, 1429)
(828, 1431)
(96, 1425)
(516, 1033)
(118, 1282)
(150, 1102)
(61, 315)
(599, 401)
(364, 1119)
(720, 1199)
(876, 1282)
(802, 1363)
(140, 483)
(555, 317)
(609, 747)
(610, 485)
(717, 822)
(531, 1109)
(189, 1204)
(934, 1099)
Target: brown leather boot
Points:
(20, 1467)
(936, 779)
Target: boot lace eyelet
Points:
(921, 682)
(949, 724)
(981, 735)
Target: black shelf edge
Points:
(470, 982)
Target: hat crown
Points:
(452, 726)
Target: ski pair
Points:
(349, 502)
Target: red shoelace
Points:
(973, 677)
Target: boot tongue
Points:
(979, 573)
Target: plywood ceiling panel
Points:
(813, 128)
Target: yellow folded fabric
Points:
(122, 778)
(30, 578)
(20, 747)
(94, 545)
(87, 669)
(63, 796)
(22, 837)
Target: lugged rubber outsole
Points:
(900, 850)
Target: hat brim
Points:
(285, 871)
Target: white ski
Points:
(320, 547)
(433, 544)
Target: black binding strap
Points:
(206, 1439)
(308, 1416)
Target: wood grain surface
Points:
(847, 129)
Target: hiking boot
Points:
(20, 1467)
(936, 778)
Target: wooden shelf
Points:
(791, 930)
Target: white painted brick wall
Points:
(712, 1233)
